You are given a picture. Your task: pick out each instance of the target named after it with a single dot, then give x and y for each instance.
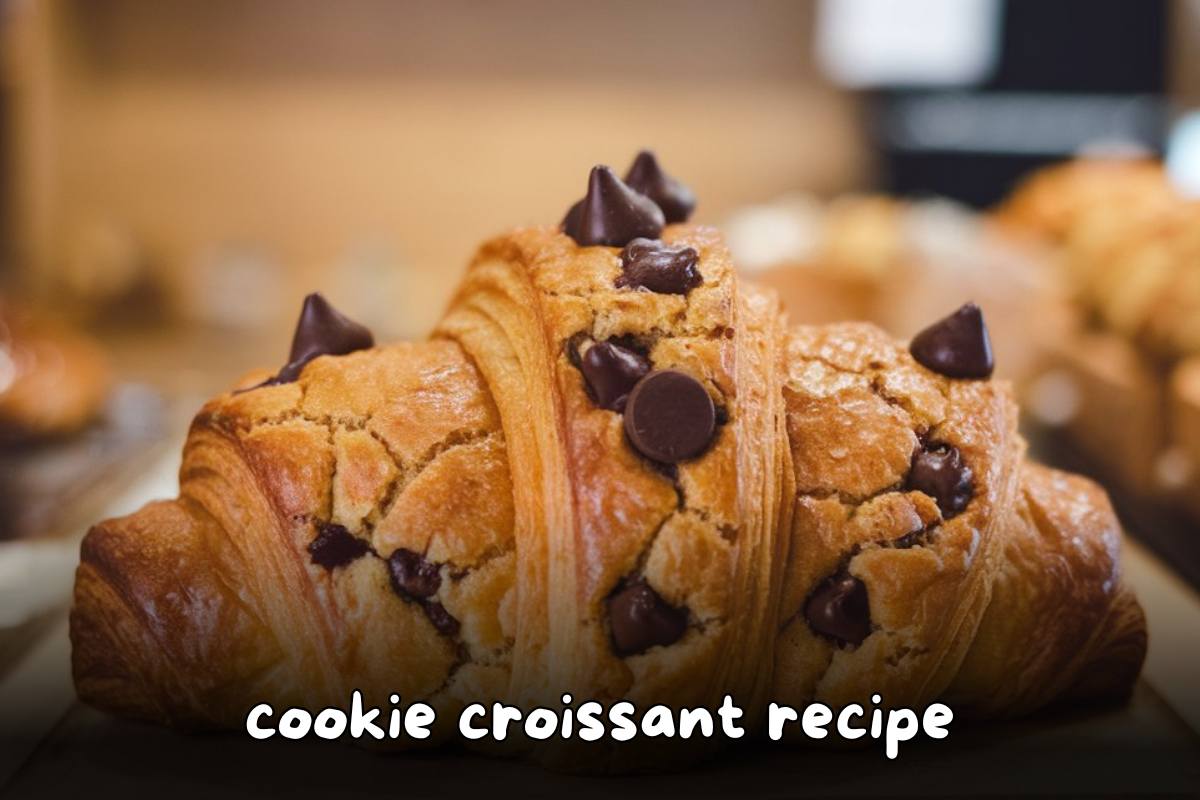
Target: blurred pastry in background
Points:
(1183, 456)
(1145, 285)
(1107, 398)
(1122, 382)
(1050, 204)
(896, 263)
(825, 261)
(1144, 290)
(53, 380)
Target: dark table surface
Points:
(1139, 749)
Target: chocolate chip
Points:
(722, 415)
(839, 609)
(412, 575)
(957, 346)
(611, 372)
(436, 612)
(940, 471)
(654, 266)
(321, 331)
(334, 546)
(611, 214)
(676, 200)
(418, 579)
(911, 539)
(669, 416)
(640, 619)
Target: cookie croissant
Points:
(614, 474)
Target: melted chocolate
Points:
(446, 625)
(611, 372)
(334, 546)
(413, 576)
(839, 609)
(640, 619)
(652, 265)
(940, 471)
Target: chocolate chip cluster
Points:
(615, 212)
(668, 415)
(956, 347)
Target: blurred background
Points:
(213, 165)
(196, 168)
(176, 176)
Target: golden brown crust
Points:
(366, 442)
(1142, 282)
(1062, 552)
(483, 452)
(702, 537)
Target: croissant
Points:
(612, 474)
(53, 380)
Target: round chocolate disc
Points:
(669, 416)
